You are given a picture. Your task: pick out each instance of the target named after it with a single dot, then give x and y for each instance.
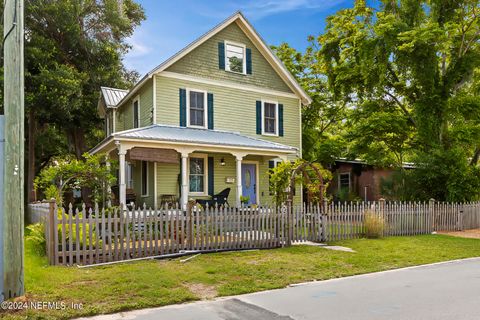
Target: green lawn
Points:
(156, 283)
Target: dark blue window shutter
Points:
(221, 55)
(259, 117)
(280, 120)
(183, 107)
(271, 164)
(249, 60)
(210, 176)
(210, 110)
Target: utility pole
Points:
(13, 191)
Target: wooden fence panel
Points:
(94, 235)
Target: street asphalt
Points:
(448, 290)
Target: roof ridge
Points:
(111, 88)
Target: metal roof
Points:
(405, 165)
(112, 96)
(200, 136)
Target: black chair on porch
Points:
(219, 199)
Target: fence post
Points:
(431, 211)
(189, 225)
(324, 219)
(290, 221)
(51, 232)
(381, 211)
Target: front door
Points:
(249, 182)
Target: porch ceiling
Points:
(192, 136)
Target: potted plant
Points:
(244, 200)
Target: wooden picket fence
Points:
(92, 236)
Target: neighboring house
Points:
(215, 115)
(355, 179)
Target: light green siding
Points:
(203, 62)
(125, 111)
(167, 179)
(148, 200)
(168, 183)
(234, 109)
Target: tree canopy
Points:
(71, 49)
(406, 73)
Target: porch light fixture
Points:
(222, 162)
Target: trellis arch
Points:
(302, 168)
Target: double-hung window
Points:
(197, 114)
(270, 115)
(197, 175)
(136, 114)
(235, 57)
(344, 181)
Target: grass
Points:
(156, 283)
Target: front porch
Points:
(161, 169)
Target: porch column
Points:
(184, 195)
(122, 190)
(239, 179)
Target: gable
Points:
(203, 62)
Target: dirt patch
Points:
(203, 291)
(474, 233)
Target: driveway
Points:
(448, 290)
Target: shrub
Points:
(36, 236)
(374, 225)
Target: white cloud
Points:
(257, 9)
(138, 47)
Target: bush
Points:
(36, 236)
(374, 225)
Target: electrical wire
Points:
(14, 23)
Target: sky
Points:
(172, 24)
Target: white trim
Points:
(107, 124)
(141, 179)
(137, 99)
(257, 178)
(155, 195)
(129, 175)
(244, 62)
(205, 108)
(252, 34)
(176, 144)
(114, 118)
(275, 62)
(226, 83)
(276, 118)
(300, 150)
(203, 156)
(154, 99)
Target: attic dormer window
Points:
(235, 57)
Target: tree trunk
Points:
(32, 128)
(77, 136)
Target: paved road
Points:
(441, 291)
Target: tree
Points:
(70, 173)
(415, 62)
(322, 120)
(72, 48)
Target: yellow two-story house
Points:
(214, 117)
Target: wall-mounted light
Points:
(222, 162)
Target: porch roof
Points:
(200, 137)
